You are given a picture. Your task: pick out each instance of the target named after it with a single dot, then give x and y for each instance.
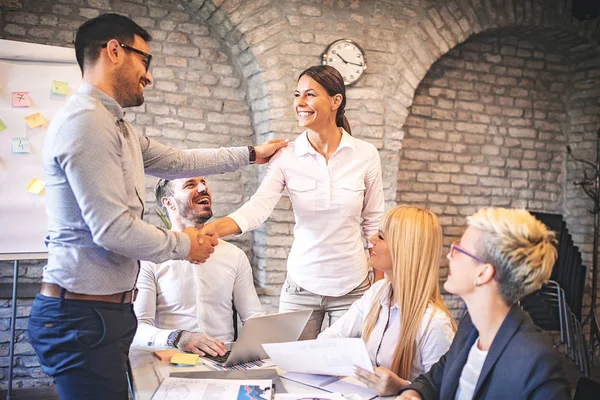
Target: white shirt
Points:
(470, 373)
(433, 339)
(337, 206)
(180, 295)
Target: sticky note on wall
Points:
(36, 186)
(35, 120)
(21, 99)
(19, 145)
(61, 88)
(2, 125)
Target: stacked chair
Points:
(557, 306)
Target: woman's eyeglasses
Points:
(148, 57)
(454, 247)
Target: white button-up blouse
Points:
(337, 206)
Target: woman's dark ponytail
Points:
(333, 83)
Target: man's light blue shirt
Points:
(94, 164)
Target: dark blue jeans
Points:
(83, 345)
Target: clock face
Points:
(348, 58)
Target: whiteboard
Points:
(28, 67)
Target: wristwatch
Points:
(174, 337)
(251, 154)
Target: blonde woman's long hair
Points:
(414, 239)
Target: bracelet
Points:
(176, 341)
(174, 337)
(251, 154)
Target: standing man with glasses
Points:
(82, 322)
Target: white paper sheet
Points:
(324, 357)
(309, 396)
(210, 389)
(348, 385)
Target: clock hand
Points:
(358, 65)
(348, 62)
(338, 54)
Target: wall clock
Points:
(348, 58)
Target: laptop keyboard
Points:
(218, 359)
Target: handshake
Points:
(203, 244)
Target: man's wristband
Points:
(174, 337)
(251, 154)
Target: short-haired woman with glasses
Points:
(402, 319)
(498, 353)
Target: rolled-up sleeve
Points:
(92, 162)
(260, 206)
(374, 203)
(145, 310)
(245, 298)
(171, 163)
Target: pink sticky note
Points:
(21, 99)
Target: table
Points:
(149, 371)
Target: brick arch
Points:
(510, 151)
(262, 34)
(445, 26)
(246, 28)
(252, 30)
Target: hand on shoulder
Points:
(266, 150)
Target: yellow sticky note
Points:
(36, 186)
(2, 125)
(35, 120)
(59, 87)
(184, 358)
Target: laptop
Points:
(271, 328)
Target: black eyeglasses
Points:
(126, 47)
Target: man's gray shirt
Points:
(94, 164)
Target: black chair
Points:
(555, 223)
(548, 310)
(579, 345)
(587, 389)
(579, 287)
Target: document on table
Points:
(324, 356)
(337, 384)
(210, 389)
(316, 395)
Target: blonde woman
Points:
(498, 352)
(402, 319)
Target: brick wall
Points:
(225, 71)
(583, 122)
(199, 100)
(485, 130)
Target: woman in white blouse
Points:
(402, 318)
(335, 187)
